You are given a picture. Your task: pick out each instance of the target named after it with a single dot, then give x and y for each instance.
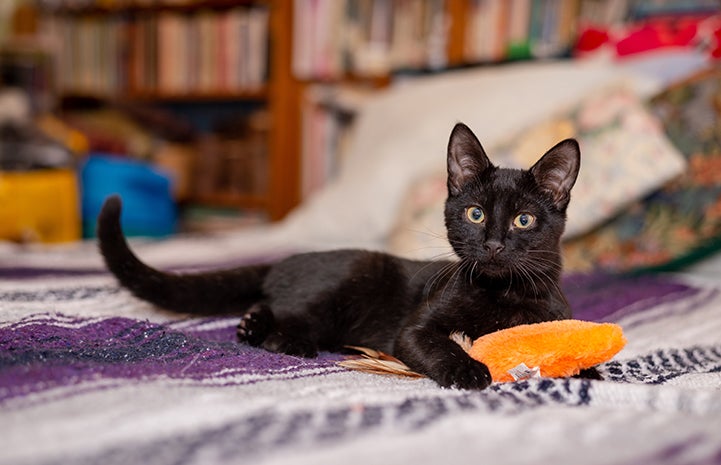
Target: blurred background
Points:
(211, 115)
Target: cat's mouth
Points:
(496, 272)
(493, 267)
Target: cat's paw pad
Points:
(280, 343)
(469, 374)
(255, 325)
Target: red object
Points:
(716, 47)
(591, 38)
(659, 33)
(692, 31)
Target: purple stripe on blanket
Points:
(41, 354)
(600, 297)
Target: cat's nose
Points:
(493, 247)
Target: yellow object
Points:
(39, 206)
(559, 348)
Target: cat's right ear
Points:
(466, 158)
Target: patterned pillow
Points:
(682, 221)
(625, 155)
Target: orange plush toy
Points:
(551, 349)
(554, 348)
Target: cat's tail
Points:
(217, 292)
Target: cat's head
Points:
(508, 222)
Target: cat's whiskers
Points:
(510, 280)
(553, 282)
(545, 251)
(528, 278)
(472, 272)
(454, 277)
(469, 264)
(553, 262)
(534, 271)
(434, 260)
(429, 232)
(549, 271)
(461, 267)
(546, 257)
(539, 278)
(534, 276)
(448, 254)
(540, 275)
(446, 251)
(441, 274)
(466, 268)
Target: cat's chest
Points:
(481, 313)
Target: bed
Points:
(89, 374)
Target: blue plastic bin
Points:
(148, 206)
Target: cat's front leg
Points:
(260, 328)
(431, 352)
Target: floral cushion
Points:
(624, 156)
(682, 221)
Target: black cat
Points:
(504, 224)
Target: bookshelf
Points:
(198, 53)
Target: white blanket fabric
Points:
(80, 385)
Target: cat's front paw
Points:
(255, 325)
(466, 374)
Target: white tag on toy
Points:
(522, 372)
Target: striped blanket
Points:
(89, 374)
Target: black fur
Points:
(508, 274)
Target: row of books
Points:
(89, 54)
(336, 38)
(498, 30)
(164, 52)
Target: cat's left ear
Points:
(557, 170)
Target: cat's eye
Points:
(475, 215)
(524, 221)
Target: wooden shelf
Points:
(251, 95)
(188, 7)
(378, 81)
(232, 199)
(284, 99)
